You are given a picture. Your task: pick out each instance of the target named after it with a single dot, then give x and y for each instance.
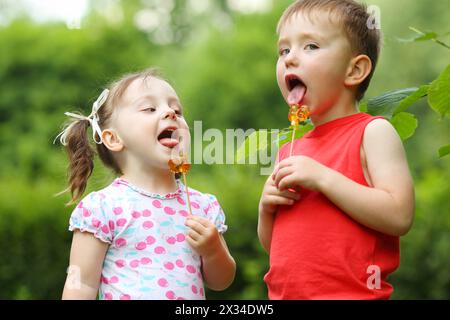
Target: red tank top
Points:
(317, 250)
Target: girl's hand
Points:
(202, 235)
(297, 171)
(271, 197)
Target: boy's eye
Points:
(284, 51)
(311, 46)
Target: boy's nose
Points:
(291, 60)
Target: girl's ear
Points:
(358, 70)
(112, 140)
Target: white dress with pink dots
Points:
(148, 256)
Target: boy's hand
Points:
(299, 171)
(202, 235)
(271, 197)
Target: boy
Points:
(337, 237)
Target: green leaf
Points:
(411, 99)
(385, 104)
(439, 93)
(261, 139)
(285, 135)
(405, 123)
(426, 36)
(256, 141)
(363, 106)
(444, 151)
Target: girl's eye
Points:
(149, 109)
(179, 113)
(311, 46)
(284, 52)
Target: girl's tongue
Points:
(168, 142)
(296, 95)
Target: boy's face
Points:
(314, 57)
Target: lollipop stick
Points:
(292, 142)
(187, 193)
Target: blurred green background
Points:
(220, 56)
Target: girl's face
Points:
(150, 125)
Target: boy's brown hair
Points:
(354, 18)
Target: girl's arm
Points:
(387, 207)
(86, 261)
(219, 267)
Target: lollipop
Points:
(181, 165)
(296, 115)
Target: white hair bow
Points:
(92, 118)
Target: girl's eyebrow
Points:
(142, 98)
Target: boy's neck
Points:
(345, 106)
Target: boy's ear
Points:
(112, 140)
(358, 70)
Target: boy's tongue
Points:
(296, 95)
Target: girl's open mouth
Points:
(169, 137)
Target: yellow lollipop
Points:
(181, 165)
(296, 115)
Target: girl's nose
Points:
(170, 114)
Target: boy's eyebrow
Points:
(302, 35)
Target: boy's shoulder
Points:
(381, 136)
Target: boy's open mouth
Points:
(297, 89)
(169, 137)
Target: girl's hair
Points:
(79, 149)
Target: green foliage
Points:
(439, 94)
(424, 36)
(225, 76)
(445, 150)
(405, 123)
(386, 104)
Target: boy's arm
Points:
(271, 198)
(388, 206)
(86, 260)
(218, 265)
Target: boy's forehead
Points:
(318, 23)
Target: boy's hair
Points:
(81, 154)
(353, 16)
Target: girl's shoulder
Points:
(202, 198)
(105, 197)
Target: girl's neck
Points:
(153, 181)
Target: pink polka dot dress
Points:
(148, 257)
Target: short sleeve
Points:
(91, 216)
(214, 213)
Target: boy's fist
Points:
(271, 197)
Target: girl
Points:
(135, 239)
